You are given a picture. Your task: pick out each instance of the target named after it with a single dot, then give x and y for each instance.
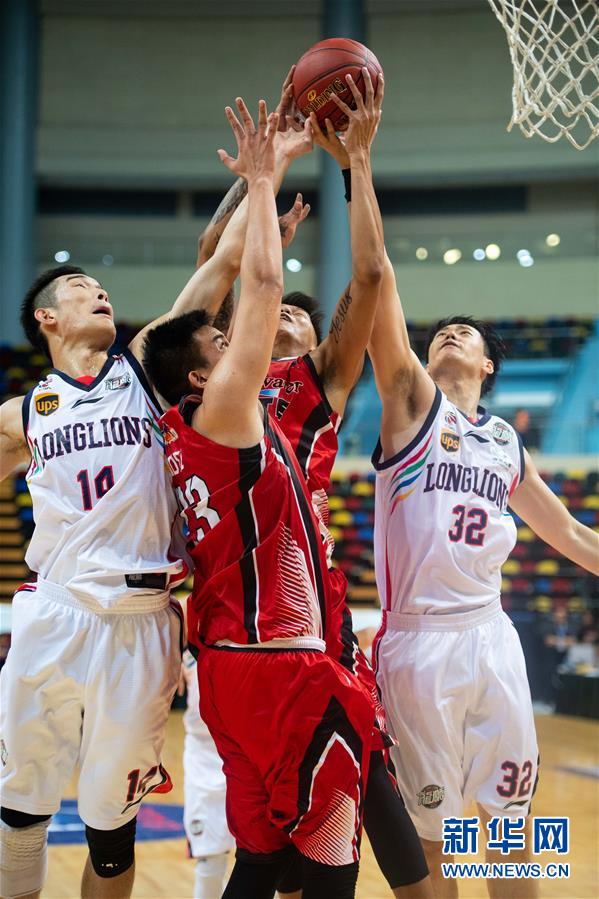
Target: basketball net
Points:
(554, 48)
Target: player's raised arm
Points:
(13, 448)
(229, 413)
(222, 247)
(340, 356)
(542, 511)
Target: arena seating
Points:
(535, 577)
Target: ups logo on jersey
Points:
(47, 403)
(449, 441)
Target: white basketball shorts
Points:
(204, 813)
(87, 689)
(458, 702)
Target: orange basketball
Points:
(321, 71)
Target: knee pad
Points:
(23, 856)
(112, 852)
(209, 875)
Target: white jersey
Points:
(102, 502)
(442, 528)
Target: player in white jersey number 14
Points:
(449, 662)
(95, 653)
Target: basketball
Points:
(321, 72)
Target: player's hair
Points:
(308, 304)
(170, 353)
(494, 345)
(222, 319)
(42, 294)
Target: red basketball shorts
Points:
(294, 732)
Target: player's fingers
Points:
(342, 106)
(246, 118)
(263, 117)
(272, 125)
(358, 99)
(317, 134)
(234, 123)
(330, 130)
(305, 212)
(288, 79)
(380, 90)
(369, 87)
(227, 160)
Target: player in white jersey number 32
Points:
(450, 665)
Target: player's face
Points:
(295, 322)
(456, 350)
(212, 345)
(82, 312)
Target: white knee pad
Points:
(210, 874)
(23, 859)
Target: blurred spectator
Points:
(558, 634)
(527, 430)
(588, 631)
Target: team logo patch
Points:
(47, 403)
(501, 434)
(431, 796)
(119, 383)
(451, 419)
(449, 441)
(197, 827)
(169, 434)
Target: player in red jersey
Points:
(293, 729)
(306, 391)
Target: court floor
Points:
(569, 786)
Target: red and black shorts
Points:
(294, 731)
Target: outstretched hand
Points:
(363, 120)
(294, 137)
(288, 223)
(256, 155)
(330, 141)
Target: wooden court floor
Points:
(569, 786)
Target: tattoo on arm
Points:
(230, 201)
(340, 316)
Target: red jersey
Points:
(260, 566)
(295, 398)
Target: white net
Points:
(554, 48)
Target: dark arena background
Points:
(112, 112)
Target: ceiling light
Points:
(553, 240)
(450, 257)
(492, 251)
(107, 259)
(294, 265)
(62, 256)
(421, 254)
(479, 254)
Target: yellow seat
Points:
(526, 535)
(591, 502)
(341, 518)
(511, 566)
(547, 566)
(362, 488)
(336, 502)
